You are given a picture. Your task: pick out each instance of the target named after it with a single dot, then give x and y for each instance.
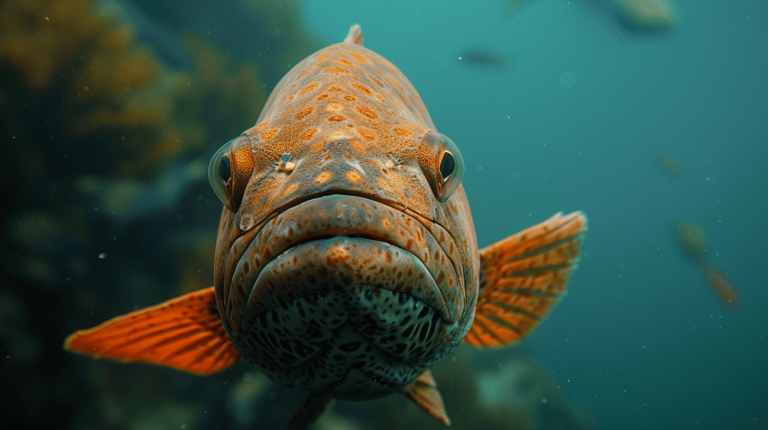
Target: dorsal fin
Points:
(355, 35)
(522, 277)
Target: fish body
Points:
(346, 263)
(694, 241)
(484, 58)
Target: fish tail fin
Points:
(522, 277)
(355, 35)
(184, 333)
(314, 406)
(423, 392)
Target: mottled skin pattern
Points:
(340, 272)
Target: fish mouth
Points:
(341, 241)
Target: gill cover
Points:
(229, 171)
(442, 164)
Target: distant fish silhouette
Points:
(511, 5)
(647, 14)
(484, 58)
(694, 240)
(635, 15)
(670, 164)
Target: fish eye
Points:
(442, 164)
(447, 166)
(224, 168)
(230, 170)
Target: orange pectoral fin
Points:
(522, 277)
(184, 333)
(423, 392)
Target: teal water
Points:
(639, 342)
(572, 110)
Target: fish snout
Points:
(347, 242)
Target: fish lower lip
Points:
(352, 217)
(356, 266)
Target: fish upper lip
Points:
(281, 232)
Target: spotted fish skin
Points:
(342, 272)
(346, 262)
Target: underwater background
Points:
(651, 116)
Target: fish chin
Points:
(356, 331)
(346, 296)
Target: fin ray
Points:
(184, 333)
(523, 277)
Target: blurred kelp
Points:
(105, 203)
(270, 33)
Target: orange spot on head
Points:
(303, 73)
(323, 177)
(334, 89)
(290, 190)
(289, 97)
(322, 57)
(366, 134)
(307, 134)
(378, 82)
(357, 147)
(363, 89)
(303, 113)
(318, 146)
(402, 131)
(346, 63)
(353, 176)
(336, 118)
(336, 70)
(380, 97)
(394, 81)
(359, 57)
(308, 88)
(269, 133)
(260, 126)
(322, 96)
(349, 98)
(382, 183)
(334, 107)
(364, 111)
(397, 102)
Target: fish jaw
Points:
(342, 270)
(378, 236)
(392, 250)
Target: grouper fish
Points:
(346, 263)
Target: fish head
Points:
(346, 260)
